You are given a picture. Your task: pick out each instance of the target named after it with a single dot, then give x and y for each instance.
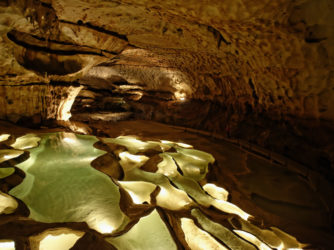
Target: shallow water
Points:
(62, 186)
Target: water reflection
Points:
(62, 186)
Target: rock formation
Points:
(259, 66)
(260, 72)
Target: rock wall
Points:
(33, 104)
(259, 70)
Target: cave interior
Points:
(147, 124)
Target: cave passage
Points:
(146, 124)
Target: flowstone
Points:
(159, 207)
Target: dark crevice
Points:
(66, 84)
(46, 5)
(218, 36)
(115, 63)
(314, 40)
(169, 226)
(199, 225)
(99, 91)
(255, 96)
(178, 167)
(99, 29)
(4, 3)
(71, 44)
(51, 83)
(48, 50)
(53, 41)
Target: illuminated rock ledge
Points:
(61, 186)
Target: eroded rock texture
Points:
(168, 190)
(258, 70)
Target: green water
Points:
(61, 185)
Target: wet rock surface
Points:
(257, 74)
(258, 71)
(277, 197)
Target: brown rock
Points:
(109, 165)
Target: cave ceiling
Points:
(257, 70)
(272, 55)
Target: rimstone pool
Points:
(134, 194)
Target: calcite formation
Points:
(164, 208)
(259, 66)
(258, 72)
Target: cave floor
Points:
(277, 198)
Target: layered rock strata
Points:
(257, 70)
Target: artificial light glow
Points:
(129, 161)
(7, 245)
(62, 241)
(139, 95)
(193, 163)
(216, 192)
(184, 145)
(77, 193)
(180, 96)
(196, 154)
(7, 154)
(69, 140)
(252, 239)
(4, 137)
(181, 85)
(149, 233)
(169, 197)
(56, 242)
(135, 145)
(7, 204)
(130, 87)
(135, 158)
(196, 238)
(167, 166)
(172, 198)
(221, 232)
(281, 247)
(166, 142)
(289, 241)
(80, 193)
(230, 208)
(192, 188)
(140, 191)
(76, 127)
(135, 198)
(180, 144)
(265, 235)
(64, 109)
(25, 142)
(105, 227)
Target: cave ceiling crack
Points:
(97, 28)
(40, 48)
